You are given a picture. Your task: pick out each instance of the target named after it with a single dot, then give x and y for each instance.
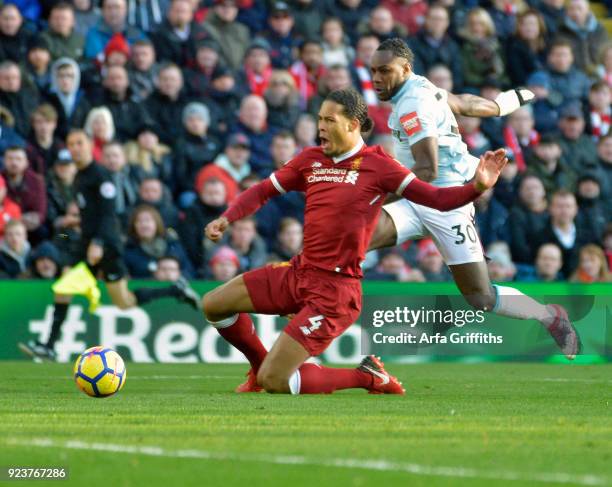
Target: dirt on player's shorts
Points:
(324, 303)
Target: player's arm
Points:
(288, 178)
(402, 181)
(425, 153)
(476, 106)
(245, 204)
(417, 118)
(105, 228)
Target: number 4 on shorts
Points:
(315, 324)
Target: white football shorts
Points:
(454, 232)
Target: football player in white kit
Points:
(427, 140)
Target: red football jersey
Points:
(344, 196)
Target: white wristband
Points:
(509, 101)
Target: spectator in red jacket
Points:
(230, 167)
(255, 76)
(308, 70)
(27, 189)
(9, 210)
(409, 13)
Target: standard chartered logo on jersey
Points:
(138, 338)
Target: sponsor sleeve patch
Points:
(411, 123)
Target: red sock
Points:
(242, 336)
(315, 379)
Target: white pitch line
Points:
(566, 379)
(145, 377)
(349, 463)
(177, 377)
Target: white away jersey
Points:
(420, 110)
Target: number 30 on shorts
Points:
(469, 229)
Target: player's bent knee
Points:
(274, 384)
(211, 306)
(207, 305)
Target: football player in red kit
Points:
(345, 183)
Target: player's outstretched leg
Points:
(45, 351)
(473, 281)
(284, 371)
(180, 290)
(123, 298)
(226, 308)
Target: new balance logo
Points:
(316, 164)
(351, 177)
(315, 324)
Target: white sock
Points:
(514, 304)
(227, 322)
(295, 382)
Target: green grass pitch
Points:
(181, 425)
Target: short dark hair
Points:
(599, 86)
(398, 47)
(353, 106)
(16, 148)
(112, 143)
(604, 137)
(309, 41)
(62, 6)
(283, 134)
(75, 131)
(562, 193)
(145, 41)
(548, 139)
(560, 42)
(170, 257)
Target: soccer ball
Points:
(99, 372)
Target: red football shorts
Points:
(324, 303)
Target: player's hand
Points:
(95, 252)
(487, 172)
(214, 230)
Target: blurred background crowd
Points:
(190, 102)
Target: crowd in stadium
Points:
(189, 102)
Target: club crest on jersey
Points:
(351, 177)
(411, 123)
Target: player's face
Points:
(151, 191)
(590, 264)
(15, 237)
(563, 209)
(143, 57)
(335, 129)
(168, 270)
(388, 74)
(79, 146)
(549, 261)
(604, 150)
